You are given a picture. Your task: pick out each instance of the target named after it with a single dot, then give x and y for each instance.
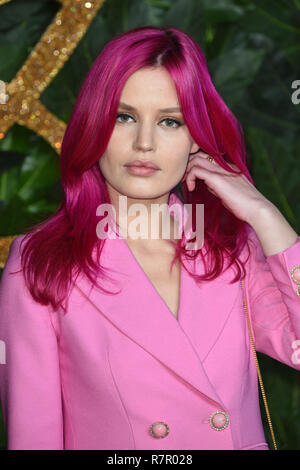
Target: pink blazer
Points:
(121, 372)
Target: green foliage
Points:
(252, 49)
(29, 181)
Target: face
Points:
(146, 133)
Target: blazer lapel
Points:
(141, 314)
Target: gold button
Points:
(159, 429)
(295, 273)
(219, 420)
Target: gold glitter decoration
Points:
(4, 248)
(43, 64)
(22, 105)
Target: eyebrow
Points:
(165, 110)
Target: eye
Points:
(173, 121)
(122, 115)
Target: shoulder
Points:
(12, 273)
(14, 253)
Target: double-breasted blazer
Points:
(122, 372)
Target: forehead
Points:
(150, 85)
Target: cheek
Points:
(102, 164)
(107, 167)
(177, 161)
(108, 161)
(177, 148)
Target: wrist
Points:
(262, 213)
(272, 229)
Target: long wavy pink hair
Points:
(61, 247)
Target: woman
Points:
(107, 347)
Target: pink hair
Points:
(62, 246)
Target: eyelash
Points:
(166, 119)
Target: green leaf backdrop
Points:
(253, 53)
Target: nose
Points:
(144, 139)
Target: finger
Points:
(197, 173)
(203, 155)
(201, 159)
(194, 162)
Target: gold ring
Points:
(210, 159)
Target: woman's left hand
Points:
(236, 192)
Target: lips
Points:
(143, 164)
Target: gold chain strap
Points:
(258, 372)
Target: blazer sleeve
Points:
(274, 299)
(30, 390)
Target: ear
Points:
(194, 147)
